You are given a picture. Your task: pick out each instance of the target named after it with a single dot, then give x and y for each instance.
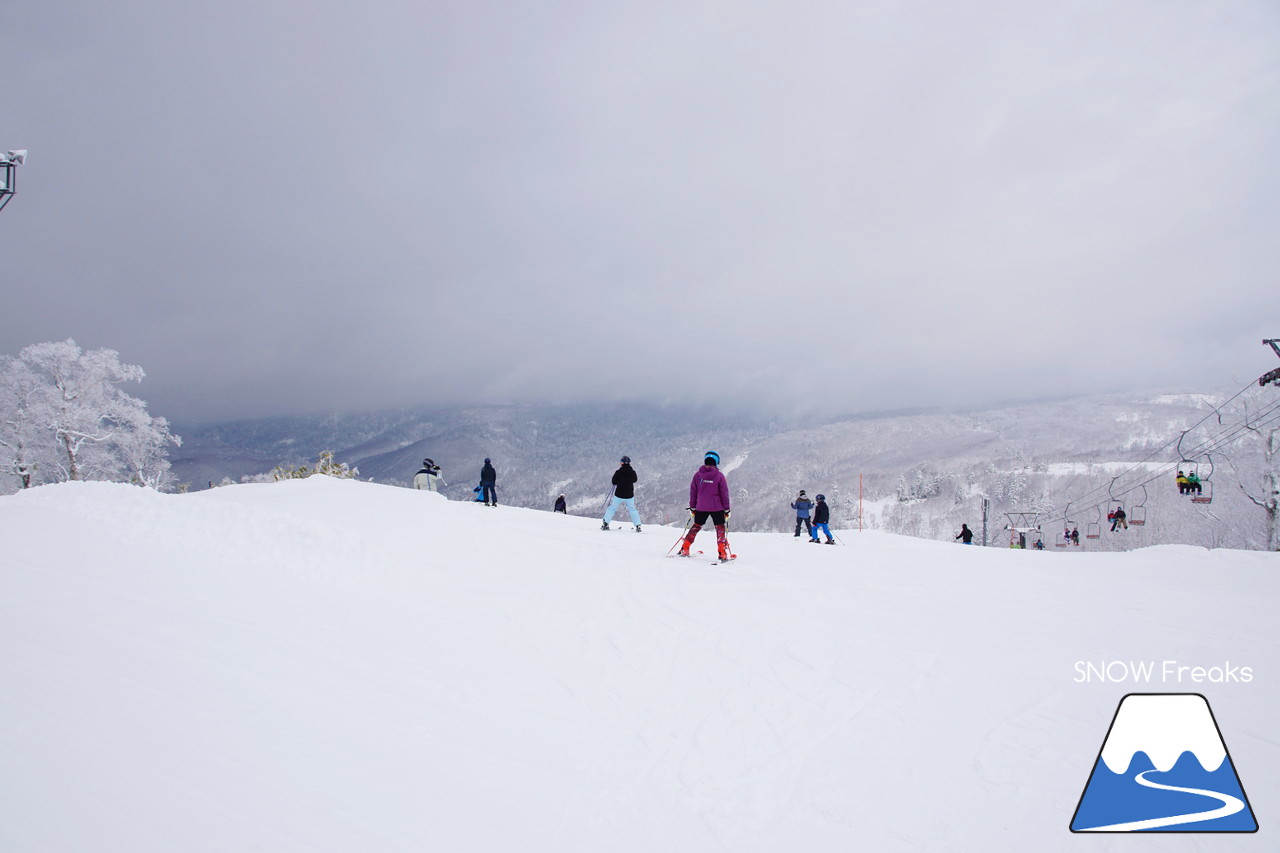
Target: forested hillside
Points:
(921, 474)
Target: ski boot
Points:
(684, 547)
(604, 525)
(828, 542)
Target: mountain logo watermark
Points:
(1164, 767)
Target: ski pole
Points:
(683, 533)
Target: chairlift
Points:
(1063, 539)
(1094, 530)
(1187, 467)
(1204, 488)
(1138, 512)
(1116, 502)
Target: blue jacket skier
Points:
(802, 505)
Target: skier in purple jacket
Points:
(708, 498)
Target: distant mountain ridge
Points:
(921, 473)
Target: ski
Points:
(715, 562)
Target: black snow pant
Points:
(490, 493)
(803, 519)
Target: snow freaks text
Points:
(1162, 672)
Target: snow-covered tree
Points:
(325, 465)
(65, 417)
(1266, 496)
(143, 449)
(24, 442)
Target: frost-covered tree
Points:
(1267, 495)
(325, 465)
(24, 442)
(65, 417)
(143, 449)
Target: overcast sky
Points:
(281, 206)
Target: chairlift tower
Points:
(1020, 524)
(8, 169)
(1271, 375)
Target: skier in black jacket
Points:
(489, 483)
(965, 534)
(560, 506)
(821, 515)
(624, 493)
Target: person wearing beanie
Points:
(560, 506)
(708, 498)
(624, 494)
(821, 515)
(802, 505)
(427, 477)
(489, 483)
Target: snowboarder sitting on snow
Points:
(428, 477)
(624, 494)
(1184, 484)
(479, 493)
(965, 534)
(1118, 517)
(708, 498)
(802, 505)
(821, 515)
(560, 507)
(489, 483)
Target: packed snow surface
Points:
(328, 665)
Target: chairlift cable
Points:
(1213, 443)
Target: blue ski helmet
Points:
(626, 460)
(486, 460)
(822, 497)
(712, 458)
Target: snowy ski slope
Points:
(327, 665)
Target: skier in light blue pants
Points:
(624, 494)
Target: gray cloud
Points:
(275, 207)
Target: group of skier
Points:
(1189, 484)
(818, 522)
(428, 479)
(708, 501)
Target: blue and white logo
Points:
(1164, 768)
